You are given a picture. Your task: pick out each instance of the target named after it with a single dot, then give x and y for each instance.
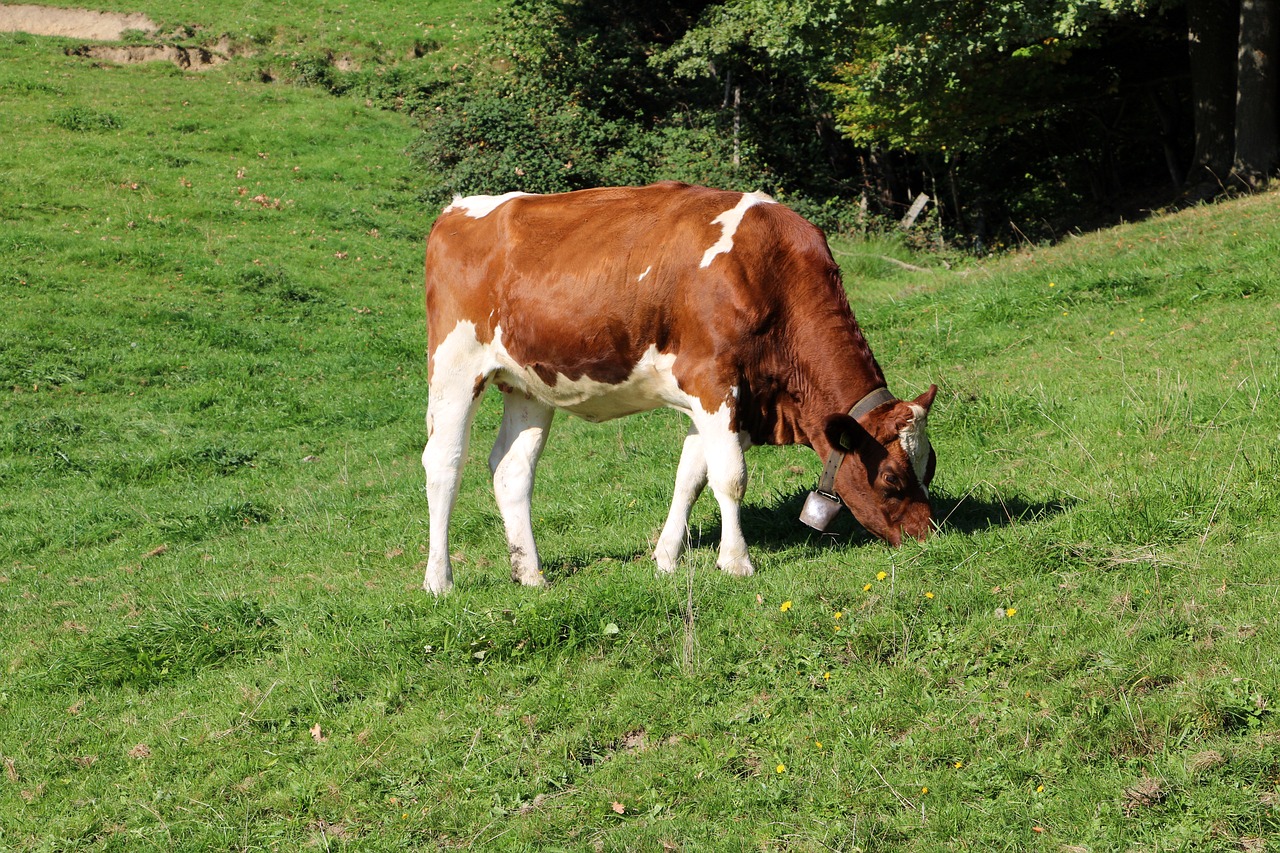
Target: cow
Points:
(606, 302)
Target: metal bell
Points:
(819, 510)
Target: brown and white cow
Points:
(607, 302)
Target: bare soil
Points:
(191, 58)
(72, 23)
(107, 26)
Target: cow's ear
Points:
(925, 400)
(843, 431)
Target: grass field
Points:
(212, 629)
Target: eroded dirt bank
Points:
(72, 23)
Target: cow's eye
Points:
(891, 479)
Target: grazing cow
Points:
(606, 302)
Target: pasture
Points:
(212, 523)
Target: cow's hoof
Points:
(535, 578)
(740, 567)
(438, 578)
(665, 562)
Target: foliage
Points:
(494, 143)
(1034, 113)
(947, 96)
(580, 99)
(944, 75)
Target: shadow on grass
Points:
(558, 567)
(779, 524)
(973, 513)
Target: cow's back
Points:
(585, 286)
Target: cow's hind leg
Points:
(450, 410)
(727, 474)
(448, 436)
(513, 462)
(691, 478)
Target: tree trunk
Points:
(1212, 36)
(1168, 115)
(1256, 142)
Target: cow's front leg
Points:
(691, 478)
(513, 462)
(727, 474)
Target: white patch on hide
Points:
(457, 356)
(729, 222)
(914, 439)
(456, 364)
(650, 385)
(645, 273)
(479, 206)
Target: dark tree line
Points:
(1007, 114)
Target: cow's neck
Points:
(826, 370)
(840, 376)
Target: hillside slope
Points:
(211, 510)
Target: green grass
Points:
(212, 630)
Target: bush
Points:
(493, 143)
(572, 101)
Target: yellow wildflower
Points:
(782, 768)
(785, 606)
(881, 575)
(1010, 611)
(866, 588)
(928, 595)
(839, 614)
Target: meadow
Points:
(212, 521)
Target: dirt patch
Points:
(108, 26)
(72, 23)
(191, 58)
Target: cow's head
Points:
(889, 464)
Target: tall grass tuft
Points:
(178, 641)
(81, 119)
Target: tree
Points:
(567, 99)
(1017, 109)
(1001, 110)
(1256, 91)
(1212, 32)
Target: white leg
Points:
(691, 477)
(449, 416)
(727, 474)
(513, 462)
